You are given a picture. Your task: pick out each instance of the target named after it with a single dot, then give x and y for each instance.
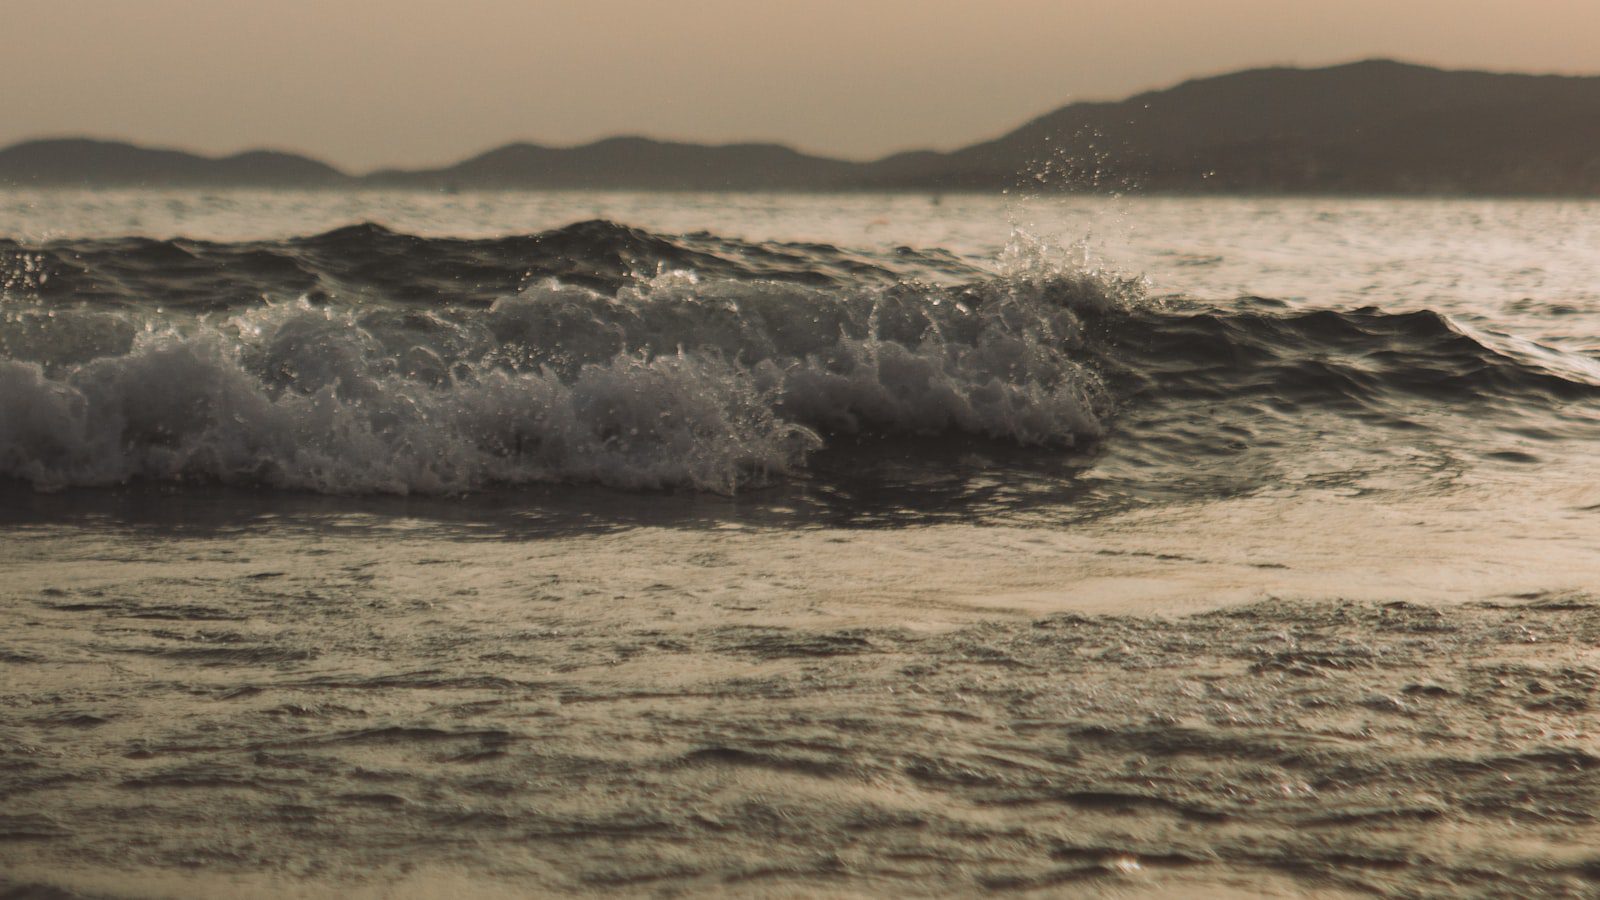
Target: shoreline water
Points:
(487, 714)
(1050, 582)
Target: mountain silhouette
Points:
(81, 161)
(634, 162)
(1378, 127)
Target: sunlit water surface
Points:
(797, 544)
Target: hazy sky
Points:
(371, 83)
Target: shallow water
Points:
(797, 545)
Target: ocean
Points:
(400, 544)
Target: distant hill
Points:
(80, 161)
(635, 162)
(1369, 127)
(1376, 127)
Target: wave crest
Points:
(363, 360)
(674, 381)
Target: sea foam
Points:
(670, 381)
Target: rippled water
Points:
(667, 544)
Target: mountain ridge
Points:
(1373, 126)
(96, 161)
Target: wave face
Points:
(363, 360)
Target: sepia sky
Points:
(365, 84)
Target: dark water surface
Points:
(796, 546)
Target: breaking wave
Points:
(363, 360)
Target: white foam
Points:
(671, 383)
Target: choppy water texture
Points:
(673, 545)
